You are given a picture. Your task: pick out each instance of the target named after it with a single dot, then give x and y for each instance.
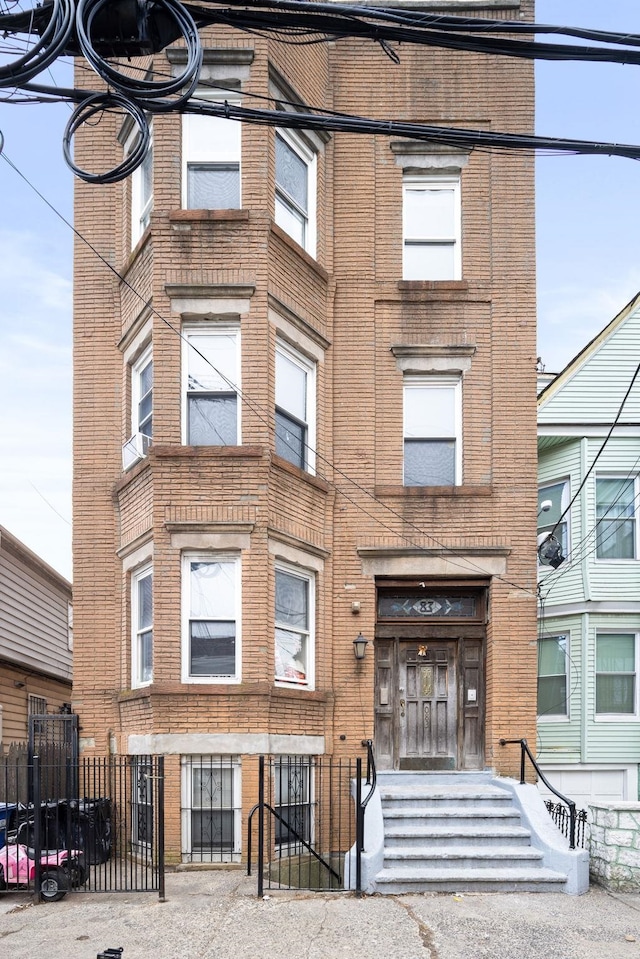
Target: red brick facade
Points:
(352, 524)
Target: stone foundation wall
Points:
(615, 845)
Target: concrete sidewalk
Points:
(217, 915)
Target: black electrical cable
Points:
(104, 103)
(327, 23)
(54, 33)
(149, 94)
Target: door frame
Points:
(470, 651)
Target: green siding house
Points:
(589, 568)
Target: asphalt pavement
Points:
(216, 914)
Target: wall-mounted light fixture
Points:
(359, 646)
(18, 684)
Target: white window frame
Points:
(431, 381)
(635, 493)
(563, 533)
(617, 717)
(309, 368)
(213, 331)
(137, 446)
(557, 717)
(141, 204)
(210, 154)
(309, 577)
(309, 216)
(232, 559)
(188, 764)
(137, 630)
(412, 183)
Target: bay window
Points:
(211, 632)
(294, 628)
(211, 382)
(616, 518)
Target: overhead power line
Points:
(103, 31)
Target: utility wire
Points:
(261, 414)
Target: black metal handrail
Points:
(361, 805)
(524, 752)
(262, 806)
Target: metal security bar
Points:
(96, 825)
(211, 809)
(305, 821)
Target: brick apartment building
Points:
(307, 412)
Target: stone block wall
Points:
(615, 845)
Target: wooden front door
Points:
(429, 703)
(427, 712)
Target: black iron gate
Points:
(94, 824)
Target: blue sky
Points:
(588, 254)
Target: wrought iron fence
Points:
(562, 818)
(98, 822)
(304, 822)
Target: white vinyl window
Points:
(138, 444)
(211, 809)
(553, 691)
(211, 631)
(142, 627)
(431, 228)
(211, 383)
(295, 211)
(295, 407)
(141, 191)
(616, 517)
(432, 431)
(616, 675)
(211, 149)
(294, 628)
(554, 497)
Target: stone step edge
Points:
(507, 874)
(495, 853)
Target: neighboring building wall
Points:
(350, 525)
(587, 753)
(35, 638)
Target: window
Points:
(296, 189)
(432, 431)
(295, 408)
(552, 677)
(141, 191)
(211, 648)
(616, 518)
(141, 411)
(142, 802)
(212, 378)
(293, 781)
(431, 228)
(211, 808)
(556, 498)
(616, 692)
(37, 706)
(294, 623)
(142, 627)
(210, 160)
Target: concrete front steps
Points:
(456, 832)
